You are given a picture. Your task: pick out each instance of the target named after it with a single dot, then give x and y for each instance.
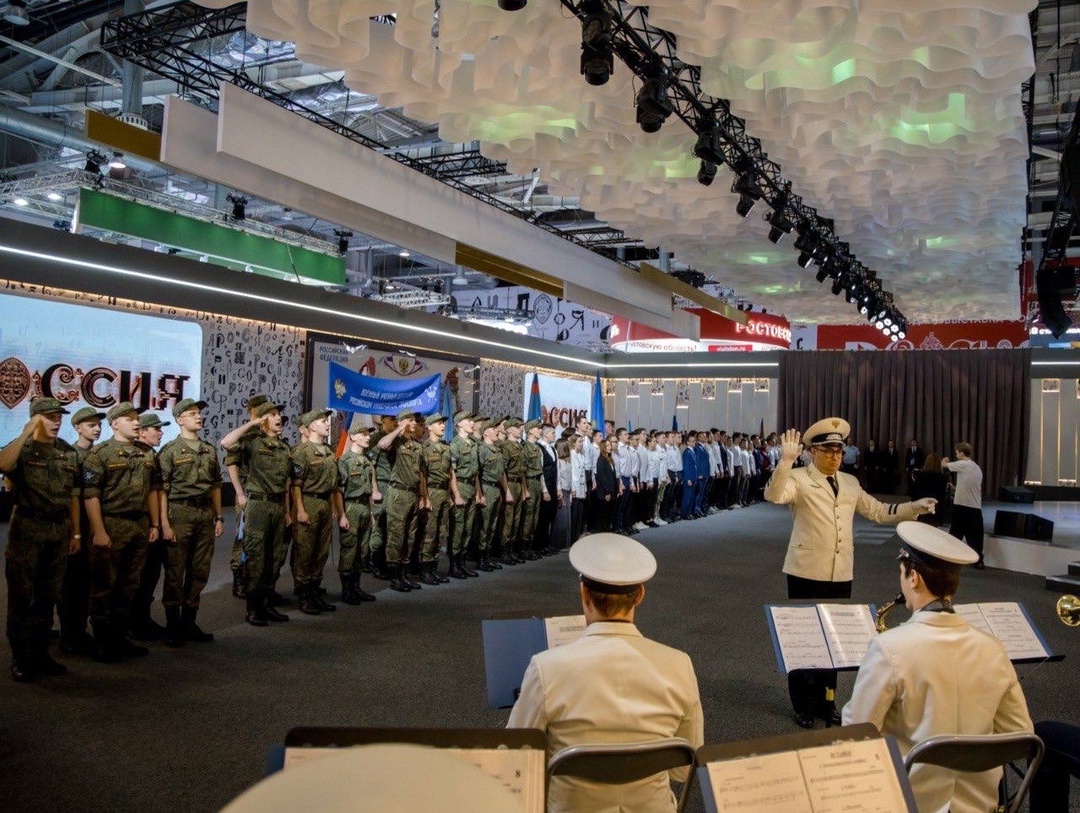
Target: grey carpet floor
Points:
(188, 730)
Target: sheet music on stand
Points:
(852, 769)
(1009, 622)
(516, 757)
(510, 641)
(820, 636)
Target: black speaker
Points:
(1023, 526)
(1017, 494)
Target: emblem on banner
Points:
(339, 388)
(14, 381)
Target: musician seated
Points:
(936, 675)
(613, 685)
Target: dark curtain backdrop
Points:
(937, 397)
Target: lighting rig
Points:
(671, 87)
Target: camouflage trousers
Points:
(402, 516)
(311, 542)
(35, 560)
(512, 514)
(378, 517)
(436, 524)
(530, 511)
(489, 516)
(355, 542)
(116, 569)
(264, 543)
(464, 518)
(187, 559)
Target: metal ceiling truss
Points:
(167, 42)
(671, 87)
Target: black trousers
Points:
(967, 524)
(808, 688)
(1050, 789)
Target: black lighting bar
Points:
(173, 42)
(648, 51)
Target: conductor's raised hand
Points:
(790, 446)
(927, 505)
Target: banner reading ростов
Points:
(353, 392)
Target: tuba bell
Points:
(1068, 610)
(884, 611)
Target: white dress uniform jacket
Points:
(937, 675)
(612, 685)
(821, 546)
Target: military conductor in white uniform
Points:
(937, 675)
(821, 553)
(613, 685)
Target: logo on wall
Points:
(14, 382)
(543, 308)
(403, 365)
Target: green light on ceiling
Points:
(844, 71)
(915, 127)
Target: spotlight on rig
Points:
(710, 147)
(239, 206)
(653, 105)
(706, 173)
(597, 55)
(512, 5)
(748, 193)
(780, 225)
(342, 240)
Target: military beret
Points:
(313, 415)
(121, 409)
(150, 420)
(434, 418)
(86, 414)
(42, 406)
(267, 407)
(187, 404)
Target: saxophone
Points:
(884, 611)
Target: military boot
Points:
(429, 576)
(256, 615)
(485, 564)
(457, 570)
(308, 605)
(361, 593)
(464, 567)
(192, 631)
(105, 649)
(348, 590)
(409, 580)
(398, 582)
(239, 588)
(174, 633)
(22, 664)
(128, 648)
(319, 594)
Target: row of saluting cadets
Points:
(95, 524)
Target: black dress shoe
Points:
(804, 720)
(274, 614)
(364, 595)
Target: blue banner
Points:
(353, 392)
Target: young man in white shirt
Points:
(967, 518)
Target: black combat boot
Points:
(22, 664)
(256, 614)
(485, 564)
(174, 633)
(429, 576)
(319, 595)
(408, 579)
(239, 588)
(105, 649)
(307, 601)
(348, 590)
(464, 567)
(192, 631)
(456, 569)
(128, 648)
(361, 593)
(397, 581)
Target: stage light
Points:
(779, 223)
(21, 202)
(343, 240)
(117, 161)
(709, 147)
(822, 274)
(239, 206)
(15, 13)
(94, 160)
(597, 55)
(653, 105)
(512, 5)
(706, 173)
(837, 286)
(748, 193)
(55, 197)
(404, 253)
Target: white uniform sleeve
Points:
(529, 709)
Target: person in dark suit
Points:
(872, 466)
(890, 467)
(549, 499)
(607, 486)
(914, 458)
(930, 481)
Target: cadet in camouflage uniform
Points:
(143, 626)
(317, 499)
(190, 522)
(120, 490)
(534, 478)
(264, 498)
(380, 459)
(493, 482)
(237, 477)
(406, 497)
(44, 472)
(74, 610)
(356, 478)
(439, 475)
(513, 512)
(465, 488)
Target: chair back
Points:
(978, 753)
(620, 763)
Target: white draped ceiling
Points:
(900, 120)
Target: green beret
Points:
(42, 406)
(187, 404)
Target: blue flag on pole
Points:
(533, 413)
(353, 392)
(446, 409)
(674, 421)
(596, 410)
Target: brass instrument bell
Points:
(1068, 610)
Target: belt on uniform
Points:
(318, 495)
(191, 502)
(360, 500)
(441, 486)
(258, 495)
(399, 487)
(128, 515)
(490, 483)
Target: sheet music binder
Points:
(826, 656)
(793, 743)
(510, 641)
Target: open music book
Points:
(509, 644)
(836, 636)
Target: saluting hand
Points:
(789, 446)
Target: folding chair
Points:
(620, 763)
(977, 753)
